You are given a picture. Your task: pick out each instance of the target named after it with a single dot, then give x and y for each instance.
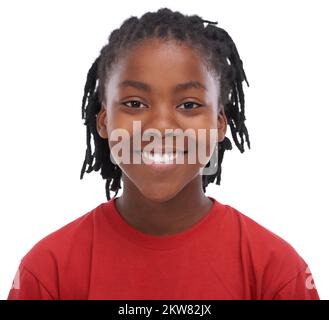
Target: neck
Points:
(163, 218)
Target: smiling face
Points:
(163, 85)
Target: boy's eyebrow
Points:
(179, 87)
(189, 85)
(135, 84)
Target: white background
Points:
(47, 48)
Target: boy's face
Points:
(159, 104)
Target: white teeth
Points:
(160, 158)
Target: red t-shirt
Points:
(225, 255)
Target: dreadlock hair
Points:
(214, 44)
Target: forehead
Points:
(161, 63)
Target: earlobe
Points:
(101, 123)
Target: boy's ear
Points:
(101, 122)
(222, 124)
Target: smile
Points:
(160, 158)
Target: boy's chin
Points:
(160, 195)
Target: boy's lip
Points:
(159, 165)
(163, 151)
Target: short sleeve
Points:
(27, 287)
(301, 287)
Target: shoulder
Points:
(74, 232)
(62, 254)
(271, 260)
(257, 236)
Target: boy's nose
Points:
(162, 117)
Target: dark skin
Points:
(153, 201)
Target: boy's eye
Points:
(137, 105)
(134, 104)
(189, 105)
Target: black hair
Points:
(216, 46)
